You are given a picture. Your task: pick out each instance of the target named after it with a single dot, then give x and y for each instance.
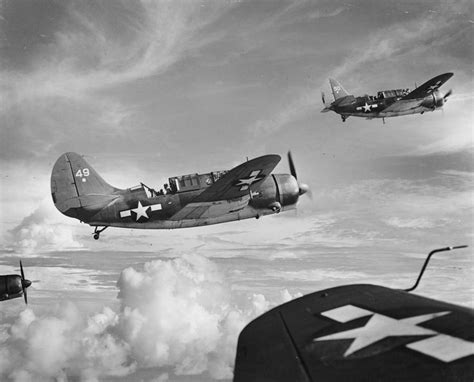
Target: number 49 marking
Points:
(82, 172)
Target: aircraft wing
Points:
(236, 183)
(428, 87)
(358, 333)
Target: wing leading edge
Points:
(358, 333)
(428, 87)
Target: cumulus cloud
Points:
(177, 315)
(43, 230)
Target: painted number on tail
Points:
(83, 173)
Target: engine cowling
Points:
(275, 192)
(433, 101)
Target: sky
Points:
(147, 90)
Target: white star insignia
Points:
(247, 182)
(441, 346)
(379, 327)
(366, 107)
(140, 211)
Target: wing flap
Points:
(203, 210)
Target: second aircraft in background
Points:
(388, 103)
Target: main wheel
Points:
(96, 236)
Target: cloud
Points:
(43, 230)
(71, 82)
(178, 315)
(455, 141)
(409, 223)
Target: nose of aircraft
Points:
(26, 283)
(303, 188)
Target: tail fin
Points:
(77, 189)
(337, 90)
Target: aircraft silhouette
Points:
(14, 286)
(359, 333)
(247, 191)
(388, 103)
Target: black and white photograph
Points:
(236, 190)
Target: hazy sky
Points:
(147, 90)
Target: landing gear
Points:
(383, 120)
(97, 232)
(343, 118)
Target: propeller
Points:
(323, 98)
(303, 188)
(24, 283)
(450, 91)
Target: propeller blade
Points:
(292, 165)
(21, 270)
(450, 91)
(303, 188)
(323, 97)
(24, 283)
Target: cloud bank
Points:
(42, 230)
(177, 315)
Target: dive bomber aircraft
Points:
(388, 103)
(359, 333)
(247, 191)
(14, 286)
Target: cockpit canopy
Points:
(392, 93)
(178, 184)
(192, 182)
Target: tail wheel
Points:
(97, 231)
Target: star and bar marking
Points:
(245, 183)
(367, 107)
(432, 88)
(440, 346)
(140, 211)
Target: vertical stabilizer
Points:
(76, 187)
(337, 90)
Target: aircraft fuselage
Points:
(138, 208)
(374, 107)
